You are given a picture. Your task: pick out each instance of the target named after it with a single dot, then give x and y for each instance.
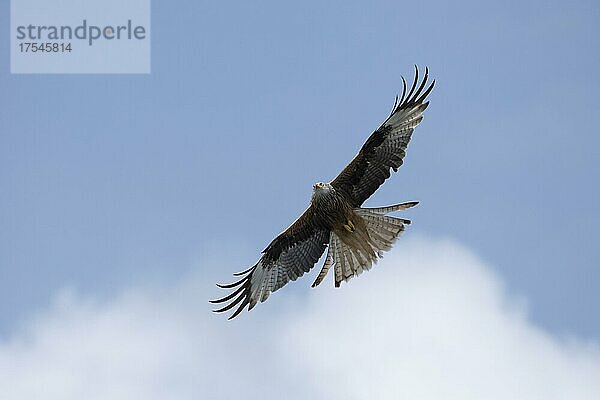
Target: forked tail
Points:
(352, 252)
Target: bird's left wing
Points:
(386, 147)
(287, 257)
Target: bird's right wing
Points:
(288, 256)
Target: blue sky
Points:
(114, 181)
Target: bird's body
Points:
(355, 237)
(332, 205)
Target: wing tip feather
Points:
(416, 95)
(239, 295)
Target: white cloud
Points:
(431, 321)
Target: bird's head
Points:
(321, 187)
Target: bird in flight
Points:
(355, 237)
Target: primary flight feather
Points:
(354, 236)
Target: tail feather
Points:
(350, 267)
(389, 209)
(352, 253)
(328, 263)
(342, 256)
(338, 259)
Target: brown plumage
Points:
(355, 237)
